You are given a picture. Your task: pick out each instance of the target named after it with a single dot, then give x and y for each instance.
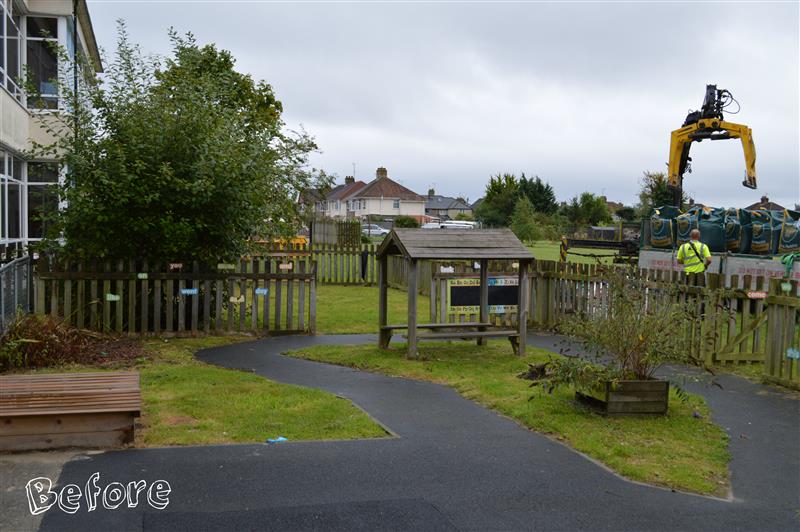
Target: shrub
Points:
(35, 341)
(405, 221)
(637, 334)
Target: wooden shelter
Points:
(480, 245)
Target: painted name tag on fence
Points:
(224, 266)
(793, 353)
(141, 276)
(239, 299)
(262, 291)
(175, 265)
(286, 266)
(113, 297)
(756, 294)
(189, 291)
(447, 269)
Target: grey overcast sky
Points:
(446, 94)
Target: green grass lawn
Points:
(677, 450)
(354, 309)
(188, 402)
(550, 250)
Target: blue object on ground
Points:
(279, 439)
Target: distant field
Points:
(549, 250)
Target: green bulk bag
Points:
(662, 227)
(710, 222)
(738, 231)
(789, 238)
(766, 232)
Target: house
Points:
(765, 203)
(385, 198)
(337, 203)
(29, 29)
(445, 207)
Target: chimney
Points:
(431, 193)
(381, 172)
(764, 199)
(349, 180)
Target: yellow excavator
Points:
(708, 123)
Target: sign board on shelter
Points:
(464, 295)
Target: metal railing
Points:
(15, 289)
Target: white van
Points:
(449, 224)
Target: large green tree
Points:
(586, 209)
(175, 160)
(502, 193)
(540, 194)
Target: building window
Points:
(11, 188)
(42, 205)
(396, 204)
(42, 59)
(10, 65)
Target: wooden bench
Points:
(88, 410)
(438, 325)
(511, 334)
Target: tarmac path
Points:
(451, 464)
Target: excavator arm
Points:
(708, 124)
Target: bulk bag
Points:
(766, 232)
(738, 231)
(662, 227)
(789, 239)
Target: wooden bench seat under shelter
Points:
(86, 410)
(453, 244)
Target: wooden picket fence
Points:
(739, 319)
(264, 295)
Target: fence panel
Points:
(183, 300)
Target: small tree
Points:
(627, 213)
(185, 159)
(655, 192)
(523, 221)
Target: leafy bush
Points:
(180, 158)
(35, 341)
(405, 221)
(636, 335)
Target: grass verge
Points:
(188, 402)
(683, 450)
(354, 309)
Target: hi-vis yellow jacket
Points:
(694, 262)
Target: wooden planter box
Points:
(630, 397)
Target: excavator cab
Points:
(708, 124)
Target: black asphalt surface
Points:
(452, 465)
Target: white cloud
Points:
(583, 95)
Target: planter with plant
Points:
(622, 344)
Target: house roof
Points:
(765, 204)
(310, 196)
(383, 187)
(345, 191)
(445, 202)
(454, 244)
(477, 203)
